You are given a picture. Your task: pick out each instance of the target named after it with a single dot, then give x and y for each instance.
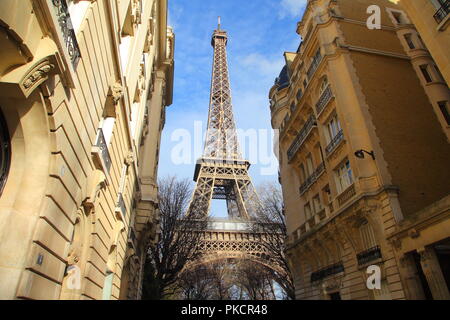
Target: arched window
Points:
(5, 152)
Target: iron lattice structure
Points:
(222, 173)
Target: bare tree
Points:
(272, 223)
(196, 284)
(212, 281)
(256, 280)
(178, 241)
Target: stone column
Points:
(150, 157)
(433, 273)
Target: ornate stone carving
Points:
(129, 159)
(40, 72)
(413, 233)
(136, 11)
(116, 92)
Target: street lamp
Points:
(360, 154)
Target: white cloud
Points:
(261, 64)
(291, 8)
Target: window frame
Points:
(344, 176)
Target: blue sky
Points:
(259, 32)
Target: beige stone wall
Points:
(60, 197)
(436, 35)
(383, 105)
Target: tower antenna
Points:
(218, 23)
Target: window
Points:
(422, 44)
(408, 38)
(317, 204)
(367, 236)
(443, 106)
(426, 74)
(335, 296)
(344, 176)
(309, 165)
(439, 73)
(333, 128)
(303, 173)
(108, 128)
(307, 211)
(326, 194)
(107, 287)
(77, 11)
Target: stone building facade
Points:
(431, 18)
(363, 155)
(83, 90)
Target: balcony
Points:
(68, 33)
(120, 206)
(335, 142)
(346, 195)
(301, 137)
(442, 13)
(323, 100)
(312, 178)
(314, 65)
(101, 153)
(369, 255)
(327, 271)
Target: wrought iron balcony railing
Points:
(369, 255)
(314, 65)
(327, 271)
(121, 205)
(68, 33)
(312, 178)
(335, 142)
(440, 15)
(323, 100)
(347, 194)
(101, 144)
(301, 136)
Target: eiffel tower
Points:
(221, 173)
